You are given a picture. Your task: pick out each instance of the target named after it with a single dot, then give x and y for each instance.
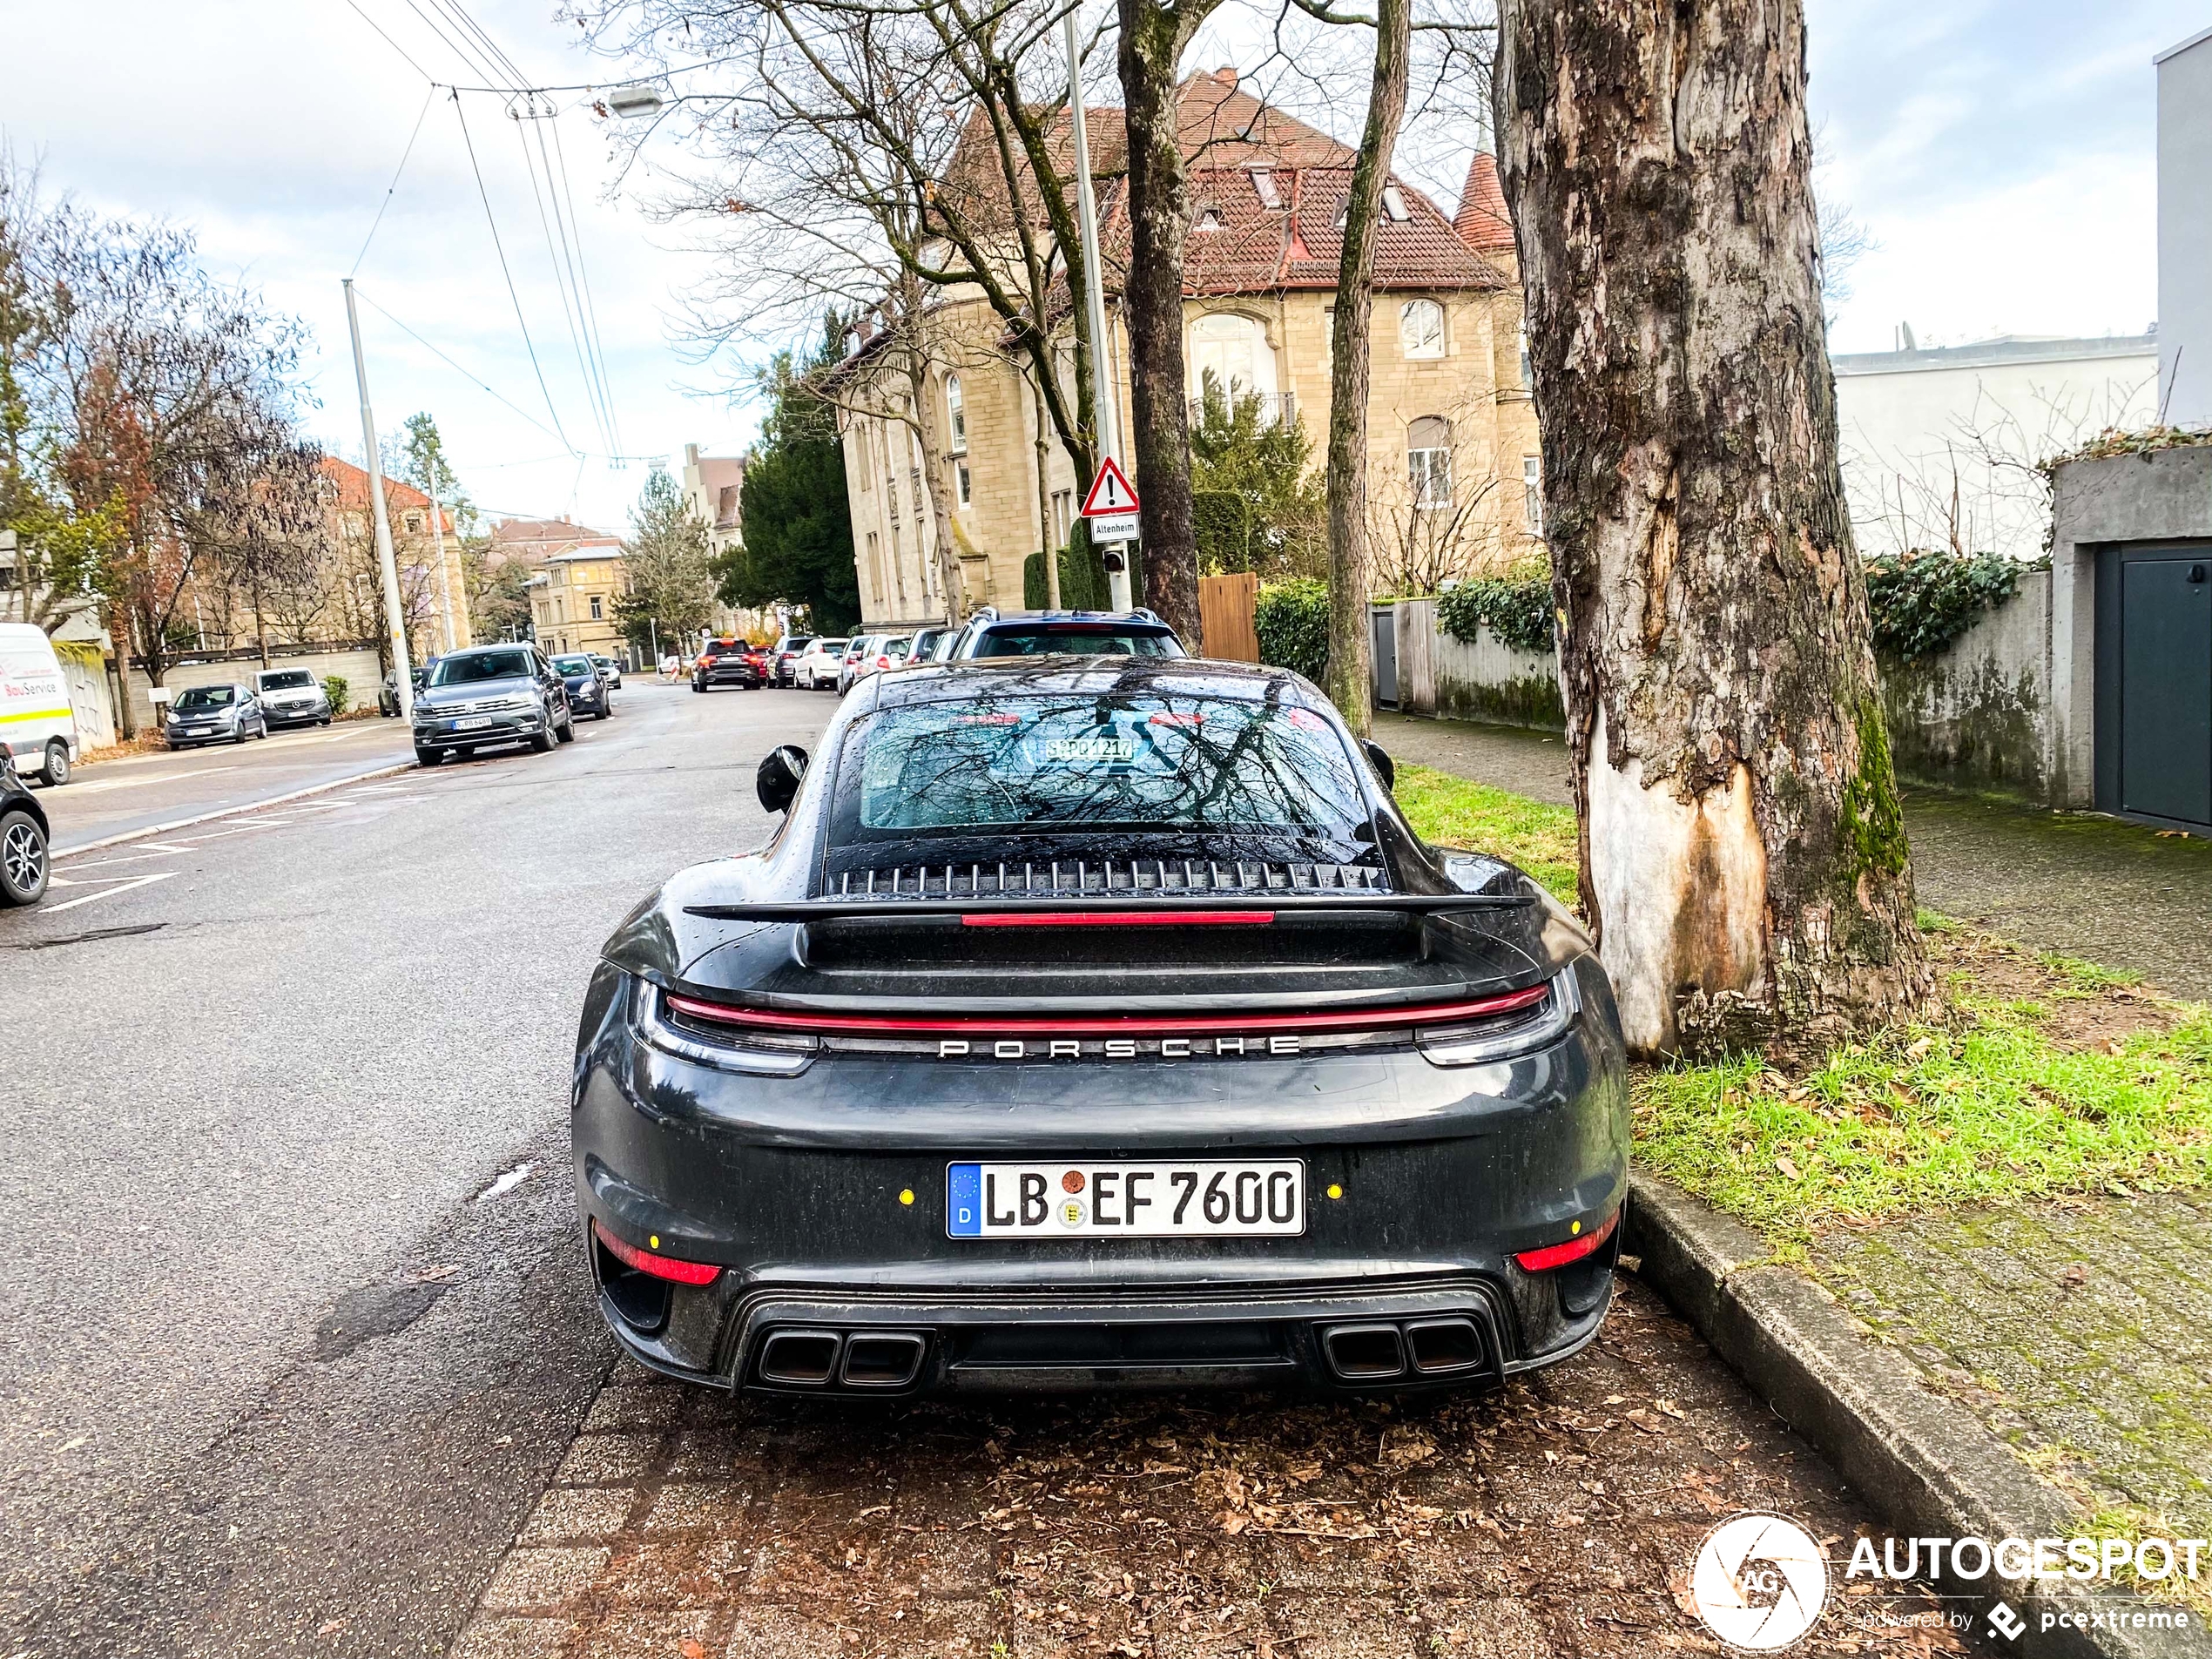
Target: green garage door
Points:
(2154, 684)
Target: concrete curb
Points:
(1929, 1467)
(171, 827)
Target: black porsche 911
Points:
(1096, 1022)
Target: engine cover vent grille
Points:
(1107, 879)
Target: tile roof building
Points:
(1452, 430)
(436, 601)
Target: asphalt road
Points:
(144, 791)
(273, 1061)
(299, 1330)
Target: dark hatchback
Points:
(729, 662)
(1098, 1021)
(589, 693)
(25, 857)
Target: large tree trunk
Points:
(1349, 642)
(1742, 856)
(1152, 40)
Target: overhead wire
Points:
(490, 219)
(389, 190)
(465, 372)
(599, 341)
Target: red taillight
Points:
(1117, 919)
(1537, 1261)
(646, 1261)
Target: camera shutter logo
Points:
(1759, 1582)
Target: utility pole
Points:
(395, 617)
(1102, 383)
(438, 536)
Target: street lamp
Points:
(639, 98)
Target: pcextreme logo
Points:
(1759, 1582)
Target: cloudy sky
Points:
(1999, 153)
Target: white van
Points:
(36, 721)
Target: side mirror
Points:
(1378, 757)
(777, 782)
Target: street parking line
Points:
(156, 778)
(105, 892)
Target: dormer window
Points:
(1209, 219)
(1263, 187)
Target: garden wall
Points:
(1977, 714)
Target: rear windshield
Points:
(284, 680)
(206, 697)
(829, 644)
(481, 666)
(1135, 762)
(575, 665)
(1075, 639)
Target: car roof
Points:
(1080, 675)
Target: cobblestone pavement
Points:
(2089, 886)
(1556, 1518)
(2082, 1333)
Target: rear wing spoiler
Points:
(1198, 910)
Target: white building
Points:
(2185, 231)
(1940, 443)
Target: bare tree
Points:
(1743, 858)
(255, 515)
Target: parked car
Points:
(491, 694)
(819, 664)
(1064, 633)
(727, 662)
(291, 697)
(783, 657)
(610, 670)
(589, 693)
(1372, 1140)
(40, 734)
(388, 694)
(24, 833)
(213, 714)
(862, 647)
(930, 645)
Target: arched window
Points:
(1233, 348)
(1428, 460)
(1420, 328)
(956, 414)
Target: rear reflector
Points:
(1537, 1261)
(646, 1261)
(1175, 1025)
(1117, 919)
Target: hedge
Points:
(1220, 520)
(1291, 619)
(1517, 610)
(1082, 576)
(1921, 602)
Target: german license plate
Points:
(472, 723)
(1119, 1200)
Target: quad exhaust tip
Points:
(1381, 1352)
(865, 1360)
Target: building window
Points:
(956, 412)
(1208, 220)
(1230, 350)
(1428, 460)
(1420, 328)
(966, 483)
(1063, 514)
(1532, 494)
(414, 522)
(1520, 336)
(596, 616)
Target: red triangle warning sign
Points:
(1110, 491)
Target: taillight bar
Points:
(1117, 919)
(647, 1261)
(1120, 1025)
(1538, 1261)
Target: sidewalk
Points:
(2083, 886)
(2078, 1329)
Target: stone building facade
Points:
(1452, 429)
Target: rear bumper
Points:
(822, 1198)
